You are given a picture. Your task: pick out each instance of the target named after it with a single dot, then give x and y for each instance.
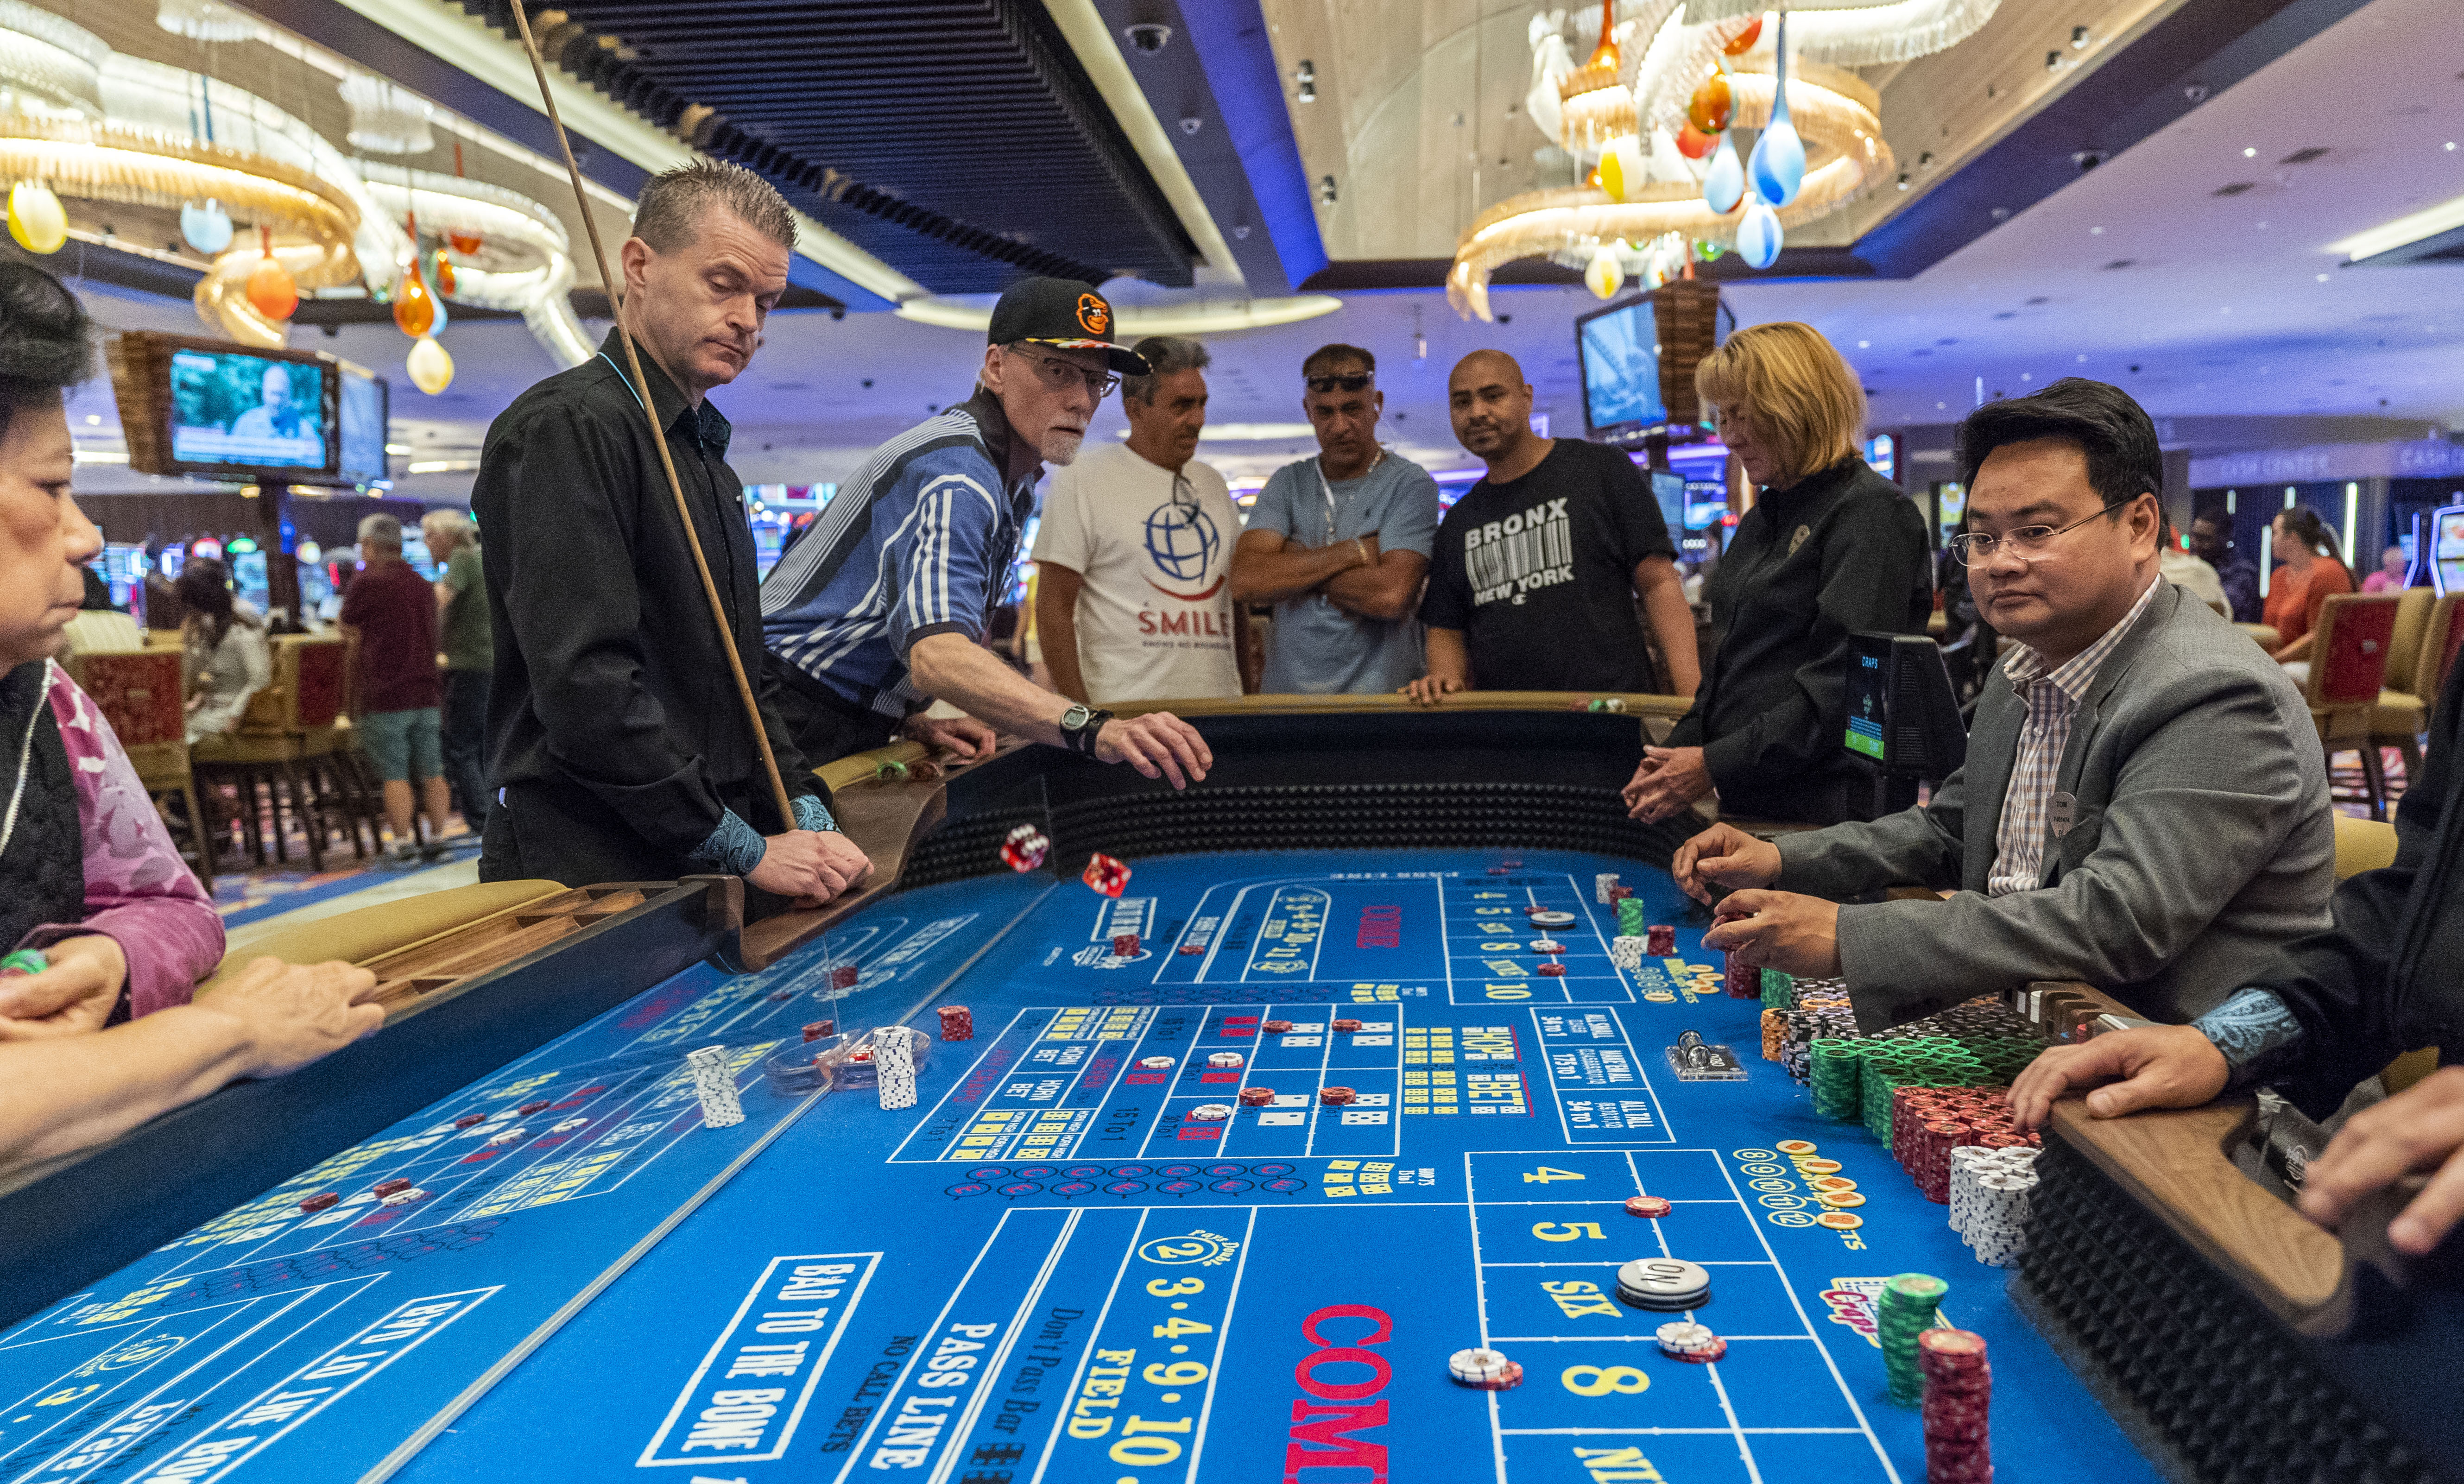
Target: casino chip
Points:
(1552, 968)
(1210, 1112)
(1225, 1058)
(1345, 1027)
(1547, 919)
(1684, 1341)
(389, 1187)
(1485, 1371)
(1647, 1205)
(322, 1200)
(1257, 1097)
(529, 1108)
(1335, 1097)
(1547, 946)
(470, 1121)
(1275, 1027)
(403, 1197)
(1669, 1284)
(1154, 1063)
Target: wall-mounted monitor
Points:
(2447, 549)
(366, 406)
(1668, 489)
(1620, 361)
(189, 406)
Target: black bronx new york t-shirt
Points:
(1538, 573)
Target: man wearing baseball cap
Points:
(881, 607)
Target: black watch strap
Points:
(1081, 737)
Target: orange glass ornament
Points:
(1708, 109)
(1605, 54)
(271, 292)
(468, 244)
(1693, 144)
(444, 273)
(1744, 41)
(414, 308)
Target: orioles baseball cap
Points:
(1065, 313)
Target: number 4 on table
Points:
(1547, 1173)
(1176, 1327)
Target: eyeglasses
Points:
(2028, 543)
(1348, 382)
(1061, 375)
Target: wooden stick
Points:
(659, 434)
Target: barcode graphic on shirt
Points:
(1502, 554)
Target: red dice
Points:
(1106, 875)
(1125, 945)
(1026, 848)
(844, 976)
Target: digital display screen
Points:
(363, 429)
(1620, 351)
(1668, 488)
(1865, 706)
(2446, 547)
(248, 411)
(1707, 504)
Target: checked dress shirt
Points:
(2053, 698)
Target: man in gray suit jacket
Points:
(2144, 804)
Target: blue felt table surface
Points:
(1048, 1268)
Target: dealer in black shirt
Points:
(1537, 567)
(616, 736)
(1829, 549)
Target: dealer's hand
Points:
(1667, 783)
(809, 867)
(1425, 690)
(1779, 929)
(1723, 856)
(1158, 745)
(2150, 1066)
(2419, 1129)
(962, 737)
(76, 994)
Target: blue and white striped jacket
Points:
(919, 542)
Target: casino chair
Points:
(288, 729)
(138, 692)
(2348, 668)
(2403, 712)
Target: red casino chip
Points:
(1647, 1205)
(388, 1186)
(322, 1200)
(1335, 1097)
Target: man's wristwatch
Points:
(1078, 726)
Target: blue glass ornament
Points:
(1724, 185)
(1759, 235)
(1779, 164)
(206, 227)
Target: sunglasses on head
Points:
(1348, 382)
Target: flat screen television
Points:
(1707, 503)
(365, 407)
(1668, 488)
(190, 405)
(1619, 348)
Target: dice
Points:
(842, 976)
(1106, 875)
(1026, 848)
(958, 1023)
(1125, 945)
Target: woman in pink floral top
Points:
(87, 872)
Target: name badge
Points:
(2062, 811)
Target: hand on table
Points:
(963, 738)
(1426, 689)
(1723, 856)
(76, 994)
(1779, 929)
(2419, 1129)
(1158, 745)
(2151, 1066)
(1667, 783)
(809, 867)
(292, 1014)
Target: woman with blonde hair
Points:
(1828, 549)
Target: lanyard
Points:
(1327, 490)
(25, 759)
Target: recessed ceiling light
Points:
(2082, 356)
(2323, 278)
(2096, 231)
(1938, 406)
(2249, 153)
(1865, 344)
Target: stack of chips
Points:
(1026, 848)
(1630, 920)
(1648, 1206)
(894, 1064)
(958, 1023)
(716, 1084)
(1547, 946)
(1659, 940)
(1602, 885)
(1774, 1033)
(1990, 1191)
(1487, 1371)
(1908, 1310)
(1929, 1123)
(1670, 1285)
(1837, 1078)
(1223, 1058)
(1210, 1113)
(1275, 1027)
(1779, 989)
(1687, 1341)
(1345, 1025)
(1744, 983)
(1335, 1097)
(1625, 951)
(1257, 1097)
(1958, 1396)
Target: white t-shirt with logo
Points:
(1154, 613)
